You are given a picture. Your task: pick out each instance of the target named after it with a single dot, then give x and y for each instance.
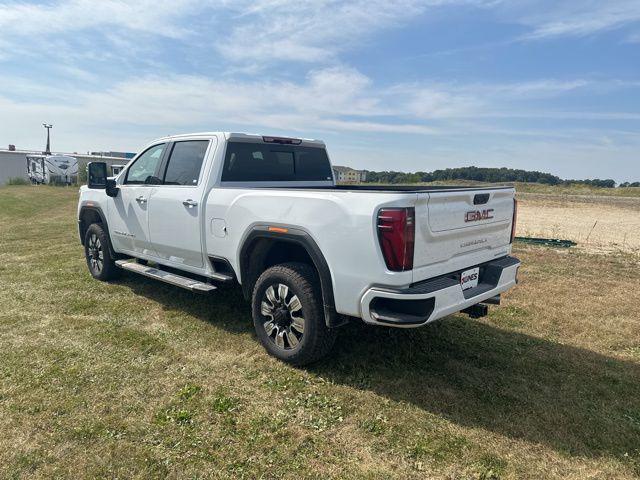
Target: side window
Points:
(144, 168)
(185, 162)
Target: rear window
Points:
(259, 162)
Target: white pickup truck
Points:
(196, 210)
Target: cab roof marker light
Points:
(282, 140)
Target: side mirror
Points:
(97, 175)
(97, 178)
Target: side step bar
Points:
(172, 278)
(221, 277)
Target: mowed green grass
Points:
(136, 379)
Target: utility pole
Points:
(48, 127)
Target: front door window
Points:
(143, 171)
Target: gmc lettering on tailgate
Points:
(476, 215)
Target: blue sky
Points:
(405, 85)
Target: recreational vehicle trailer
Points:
(57, 169)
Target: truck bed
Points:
(390, 188)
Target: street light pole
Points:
(48, 127)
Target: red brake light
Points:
(515, 219)
(396, 232)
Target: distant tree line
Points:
(479, 174)
(596, 182)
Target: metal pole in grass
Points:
(48, 127)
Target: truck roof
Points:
(239, 136)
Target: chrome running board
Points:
(132, 265)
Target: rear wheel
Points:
(96, 250)
(288, 314)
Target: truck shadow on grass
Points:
(472, 373)
(478, 375)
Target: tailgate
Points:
(460, 228)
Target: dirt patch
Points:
(596, 223)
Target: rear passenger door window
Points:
(185, 163)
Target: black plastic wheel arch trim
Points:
(103, 219)
(302, 238)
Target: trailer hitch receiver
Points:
(476, 311)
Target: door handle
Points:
(141, 199)
(190, 203)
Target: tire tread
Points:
(306, 280)
(109, 270)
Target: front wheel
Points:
(288, 314)
(96, 250)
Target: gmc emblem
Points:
(476, 215)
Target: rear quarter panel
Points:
(341, 223)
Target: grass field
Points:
(136, 379)
(598, 223)
(569, 190)
(564, 190)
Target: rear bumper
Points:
(429, 300)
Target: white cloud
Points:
(537, 88)
(262, 31)
(269, 31)
(77, 33)
(335, 99)
(476, 99)
(313, 30)
(319, 30)
(572, 17)
(435, 101)
(332, 99)
(157, 17)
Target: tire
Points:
(98, 255)
(291, 330)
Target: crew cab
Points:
(265, 212)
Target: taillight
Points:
(515, 219)
(396, 232)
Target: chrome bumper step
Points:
(132, 265)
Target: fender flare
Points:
(302, 238)
(103, 220)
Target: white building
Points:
(349, 175)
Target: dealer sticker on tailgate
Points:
(469, 278)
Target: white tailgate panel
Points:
(452, 210)
(446, 242)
